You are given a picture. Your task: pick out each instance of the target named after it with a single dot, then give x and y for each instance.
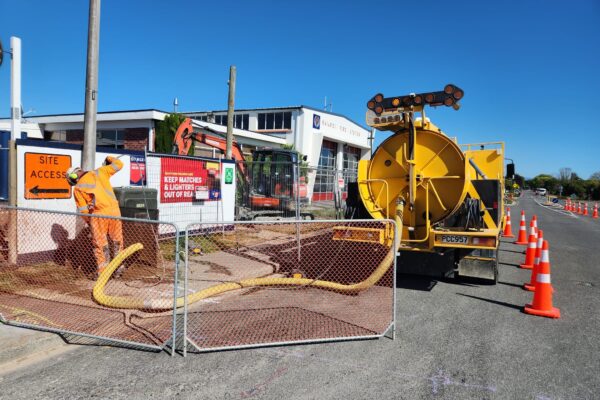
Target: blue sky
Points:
(530, 69)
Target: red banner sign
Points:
(181, 179)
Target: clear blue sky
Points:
(530, 69)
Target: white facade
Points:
(306, 129)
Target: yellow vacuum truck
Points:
(447, 198)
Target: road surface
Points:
(456, 340)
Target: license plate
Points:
(454, 239)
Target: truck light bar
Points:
(448, 97)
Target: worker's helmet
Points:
(73, 175)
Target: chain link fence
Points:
(276, 282)
(245, 284)
(51, 276)
(269, 190)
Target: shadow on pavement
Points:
(500, 303)
(513, 251)
(421, 283)
(510, 264)
(510, 284)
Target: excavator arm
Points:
(185, 135)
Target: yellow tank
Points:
(429, 176)
(439, 170)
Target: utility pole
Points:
(230, 105)
(15, 88)
(15, 133)
(91, 88)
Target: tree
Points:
(165, 133)
(595, 176)
(564, 174)
(544, 181)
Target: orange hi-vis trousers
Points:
(102, 229)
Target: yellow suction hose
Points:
(166, 303)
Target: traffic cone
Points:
(534, 220)
(579, 208)
(531, 249)
(522, 239)
(585, 210)
(567, 206)
(595, 214)
(542, 296)
(536, 264)
(508, 226)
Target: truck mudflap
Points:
(481, 265)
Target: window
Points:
(351, 158)
(240, 121)
(275, 121)
(114, 138)
(58, 136)
(326, 172)
(221, 119)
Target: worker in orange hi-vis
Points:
(94, 195)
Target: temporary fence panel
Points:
(191, 188)
(275, 282)
(270, 189)
(48, 277)
(273, 189)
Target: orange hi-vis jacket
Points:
(94, 193)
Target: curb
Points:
(20, 343)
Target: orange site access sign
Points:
(45, 176)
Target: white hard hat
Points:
(73, 175)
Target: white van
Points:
(540, 191)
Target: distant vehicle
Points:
(541, 191)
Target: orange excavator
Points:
(270, 182)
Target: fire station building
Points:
(331, 142)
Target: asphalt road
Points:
(454, 341)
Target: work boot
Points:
(120, 271)
(98, 272)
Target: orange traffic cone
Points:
(542, 296)
(595, 214)
(508, 226)
(579, 208)
(531, 248)
(534, 220)
(585, 210)
(522, 239)
(536, 264)
(567, 206)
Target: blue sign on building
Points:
(316, 121)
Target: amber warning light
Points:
(447, 97)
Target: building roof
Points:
(101, 116)
(277, 109)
